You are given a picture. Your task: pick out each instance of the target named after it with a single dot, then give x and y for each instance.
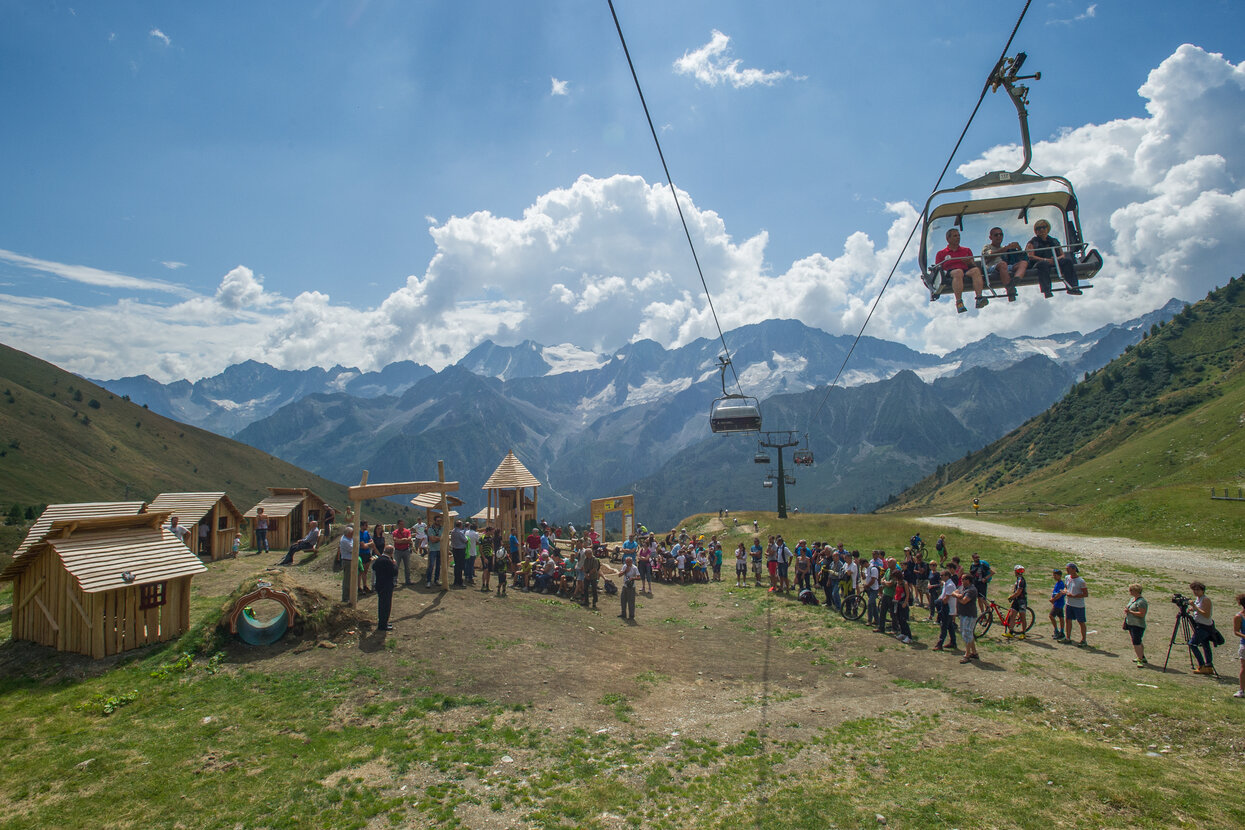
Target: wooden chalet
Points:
(102, 585)
(507, 496)
(289, 511)
(212, 519)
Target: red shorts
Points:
(773, 568)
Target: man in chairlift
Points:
(1004, 262)
(956, 261)
(1046, 257)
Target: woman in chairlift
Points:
(1046, 257)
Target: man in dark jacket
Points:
(384, 578)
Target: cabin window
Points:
(151, 596)
(222, 522)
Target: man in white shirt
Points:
(872, 582)
(345, 554)
(308, 542)
(180, 531)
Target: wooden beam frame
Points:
(377, 491)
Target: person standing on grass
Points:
(402, 549)
(486, 559)
(592, 573)
(1238, 631)
(981, 574)
(755, 555)
(627, 595)
(326, 528)
(947, 617)
(433, 573)
(1056, 604)
(717, 561)
(966, 605)
(771, 564)
(886, 578)
(419, 531)
(803, 566)
(1075, 591)
(899, 607)
(1135, 622)
(458, 550)
(871, 581)
(1203, 629)
(384, 580)
(473, 550)
(741, 565)
(345, 555)
(783, 558)
(261, 531)
(940, 547)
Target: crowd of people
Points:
(952, 593)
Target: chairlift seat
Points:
(803, 457)
(735, 413)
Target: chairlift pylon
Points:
(1013, 201)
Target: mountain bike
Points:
(992, 610)
(853, 607)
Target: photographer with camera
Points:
(1203, 629)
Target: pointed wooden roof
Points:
(433, 500)
(190, 508)
(510, 473)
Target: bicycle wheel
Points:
(1030, 617)
(853, 607)
(984, 622)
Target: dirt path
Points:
(1229, 566)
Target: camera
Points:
(1181, 600)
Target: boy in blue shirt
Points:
(1056, 604)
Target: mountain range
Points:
(590, 425)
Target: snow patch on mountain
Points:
(655, 389)
(566, 357)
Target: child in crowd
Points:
(501, 564)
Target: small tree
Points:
(14, 515)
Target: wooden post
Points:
(447, 527)
(353, 564)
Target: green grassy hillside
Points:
(64, 439)
(1134, 449)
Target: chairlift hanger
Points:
(803, 456)
(993, 199)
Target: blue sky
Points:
(191, 185)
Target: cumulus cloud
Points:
(603, 261)
(712, 65)
(557, 87)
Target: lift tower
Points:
(780, 440)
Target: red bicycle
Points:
(993, 610)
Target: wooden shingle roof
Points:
(433, 500)
(98, 554)
(85, 510)
(510, 473)
(276, 506)
(190, 508)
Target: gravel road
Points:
(1222, 567)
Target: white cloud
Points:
(161, 36)
(1088, 14)
(90, 276)
(711, 65)
(239, 289)
(557, 87)
(172, 265)
(603, 261)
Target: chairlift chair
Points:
(789, 479)
(767, 483)
(1013, 201)
(762, 457)
(733, 413)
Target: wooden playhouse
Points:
(100, 585)
(508, 499)
(289, 511)
(212, 519)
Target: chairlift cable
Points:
(673, 192)
(981, 98)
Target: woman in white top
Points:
(1203, 627)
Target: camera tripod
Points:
(1184, 629)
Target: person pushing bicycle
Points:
(1015, 622)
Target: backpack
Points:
(610, 588)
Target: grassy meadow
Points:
(723, 707)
